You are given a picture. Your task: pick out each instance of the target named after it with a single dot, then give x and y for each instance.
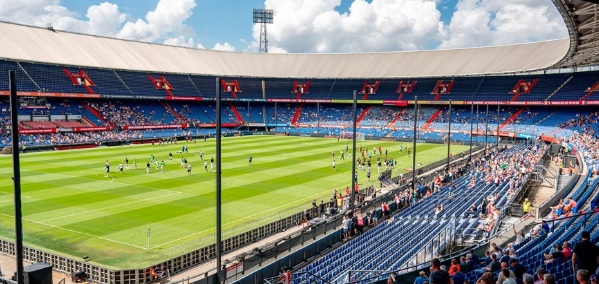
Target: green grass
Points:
(70, 208)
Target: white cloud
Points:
(316, 26)
(167, 19)
(494, 22)
(32, 12)
(104, 19)
(223, 46)
(391, 25)
(166, 23)
(381, 25)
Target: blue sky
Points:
(213, 20)
(301, 25)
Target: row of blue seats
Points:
(53, 78)
(367, 251)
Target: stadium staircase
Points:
(397, 116)
(563, 181)
(511, 118)
(236, 113)
(89, 122)
(431, 119)
(98, 114)
(173, 112)
(364, 113)
(591, 91)
(559, 88)
(532, 126)
(296, 116)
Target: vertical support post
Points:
(414, 142)
(449, 138)
(219, 247)
(432, 249)
(247, 117)
(318, 117)
(438, 244)
(353, 164)
(477, 120)
(486, 129)
(16, 167)
(498, 110)
(471, 126)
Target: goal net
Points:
(349, 135)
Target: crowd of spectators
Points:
(501, 266)
(581, 120)
(495, 169)
(588, 144)
(380, 116)
(64, 138)
(121, 114)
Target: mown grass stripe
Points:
(70, 201)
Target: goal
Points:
(349, 135)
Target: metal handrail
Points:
(275, 279)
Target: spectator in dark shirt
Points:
(585, 254)
(518, 269)
(492, 267)
(546, 227)
(458, 278)
(438, 276)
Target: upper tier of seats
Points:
(52, 78)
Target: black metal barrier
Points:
(292, 259)
(302, 253)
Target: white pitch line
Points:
(237, 220)
(108, 207)
(77, 232)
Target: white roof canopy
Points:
(26, 43)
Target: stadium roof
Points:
(582, 20)
(26, 43)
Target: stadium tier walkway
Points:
(197, 272)
(8, 267)
(537, 196)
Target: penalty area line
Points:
(78, 232)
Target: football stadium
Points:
(140, 163)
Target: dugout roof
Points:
(26, 43)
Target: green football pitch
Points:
(71, 208)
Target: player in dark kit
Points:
(107, 169)
(250, 160)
